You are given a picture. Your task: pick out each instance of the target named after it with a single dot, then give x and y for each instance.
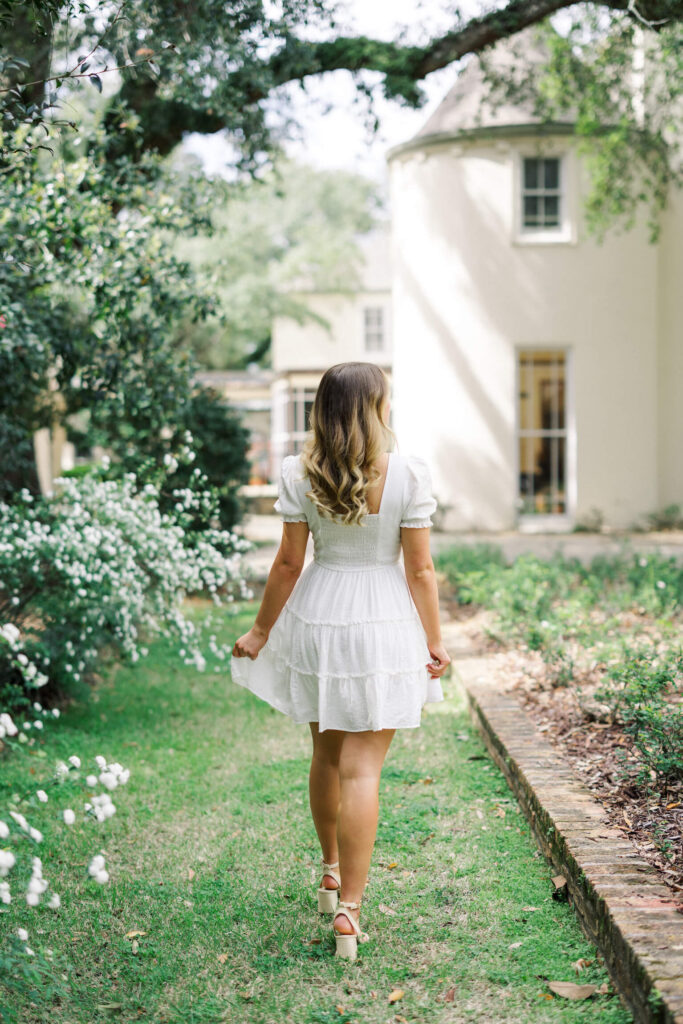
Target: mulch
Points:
(599, 751)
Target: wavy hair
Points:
(347, 436)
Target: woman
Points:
(353, 645)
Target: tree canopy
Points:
(218, 66)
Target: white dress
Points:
(348, 649)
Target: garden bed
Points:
(593, 656)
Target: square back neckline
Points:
(375, 515)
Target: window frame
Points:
(380, 331)
(565, 232)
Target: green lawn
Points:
(213, 856)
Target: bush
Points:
(99, 564)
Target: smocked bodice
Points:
(406, 502)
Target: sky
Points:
(332, 120)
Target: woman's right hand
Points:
(440, 660)
(249, 645)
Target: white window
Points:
(299, 411)
(542, 432)
(544, 198)
(373, 328)
(541, 194)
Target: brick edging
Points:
(622, 905)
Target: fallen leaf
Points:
(394, 864)
(514, 945)
(579, 965)
(627, 819)
(135, 945)
(428, 781)
(397, 994)
(559, 881)
(131, 935)
(384, 909)
(222, 957)
(529, 908)
(449, 995)
(669, 807)
(314, 942)
(400, 1019)
(480, 814)
(190, 874)
(604, 988)
(500, 811)
(570, 990)
(339, 1008)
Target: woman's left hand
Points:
(249, 645)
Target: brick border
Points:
(622, 905)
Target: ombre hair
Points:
(347, 436)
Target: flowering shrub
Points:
(97, 564)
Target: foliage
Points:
(100, 564)
(224, 71)
(621, 90)
(89, 298)
(294, 228)
(571, 613)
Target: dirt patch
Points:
(581, 728)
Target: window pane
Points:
(530, 210)
(530, 172)
(552, 211)
(542, 440)
(552, 173)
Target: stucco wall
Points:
(671, 354)
(312, 345)
(467, 295)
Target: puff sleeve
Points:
(419, 503)
(290, 502)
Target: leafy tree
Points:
(296, 226)
(219, 67)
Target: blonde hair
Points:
(347, 436)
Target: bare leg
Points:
(360, 766)
(324, 792)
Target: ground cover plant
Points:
(594, 652)
(209, 912)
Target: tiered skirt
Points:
(348, 651)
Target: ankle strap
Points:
(335, 865)
(349, 906)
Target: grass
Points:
(213, 857)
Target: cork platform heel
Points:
(327, 898)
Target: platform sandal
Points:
(347, 945)
(327, 898)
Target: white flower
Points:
(69, 816)
(4, 829)
(7, 861)
(642, 562)
(22, 659)
(10, 632)
(100, 761)
(661, 584)
(36, 834)
(5, 894)
(37, 706)
(91, 780)
(75, 761)
(124, 776)
(109, 780)
(37, 884)
(37, 724)
(54, 901)
(56, 712)
(20, 820)
(22, 737)
(42, 796)
(102, 876)
(96, 864)
(61, 768)
(33, 899)
(7, 724)
(22, 934)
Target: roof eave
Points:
(483, 132)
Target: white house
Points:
(345, 326)
(539, 372)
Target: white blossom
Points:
(5, 894)
(42, 796)
(91, 780)
(54, 901)
(69, 816)
(22, 934)
(75, 760)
